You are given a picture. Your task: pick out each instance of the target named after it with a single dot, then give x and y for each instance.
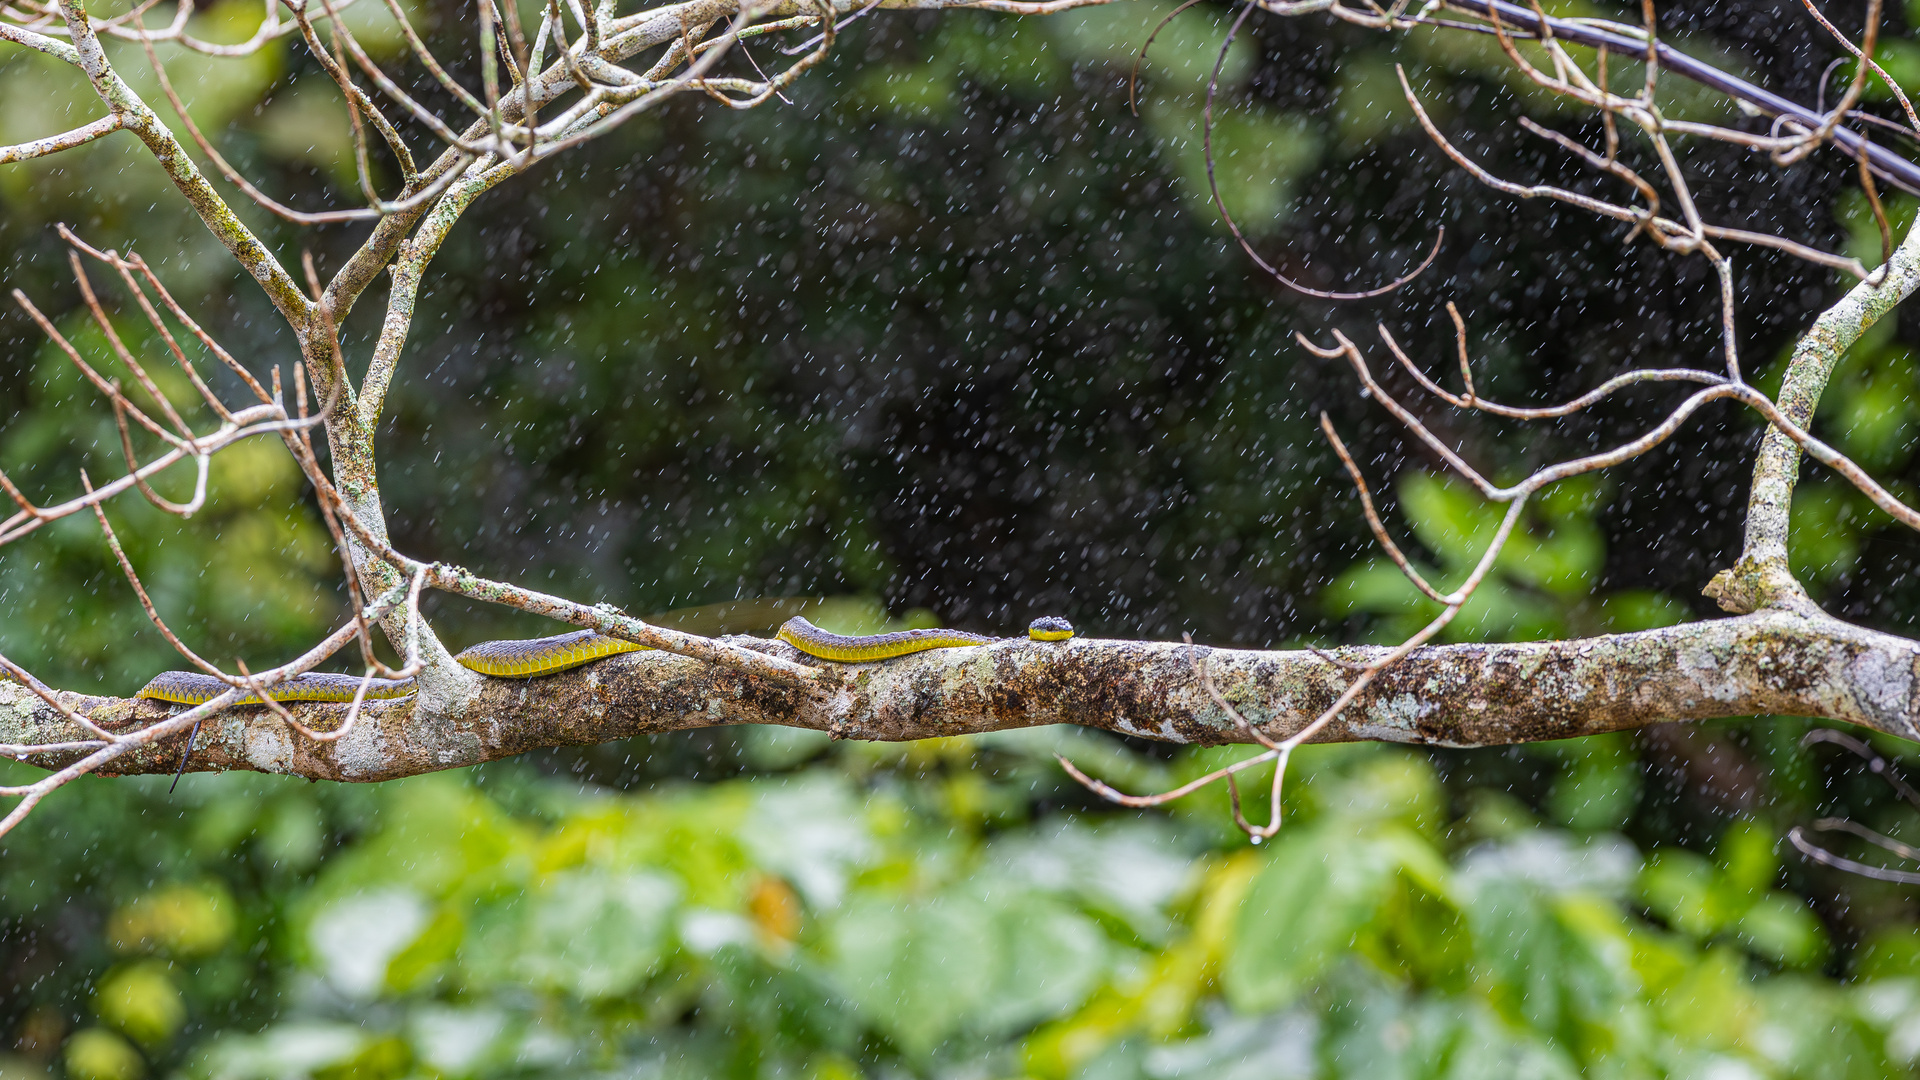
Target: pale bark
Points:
(1762, 577)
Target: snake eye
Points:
(1050, 628)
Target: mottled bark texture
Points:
(1762, 578)
(1454, 695)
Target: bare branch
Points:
(146, 602)
(1797, 836)
(1373, 518)
(232, 174)
(1867, 62)
(66, 140)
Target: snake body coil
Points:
(542, 656)
(547, 655)
(814, 641)
(810, 639)
(191, 688)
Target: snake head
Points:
(1049, 628)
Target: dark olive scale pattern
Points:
(527, 659)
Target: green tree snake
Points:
(545, 656)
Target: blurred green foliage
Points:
(856, 916)
(1542, 585)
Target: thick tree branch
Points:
(1762, 577)
(1454, 695)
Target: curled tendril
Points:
(1797, 836)
(1213, 185)
(1133, 77)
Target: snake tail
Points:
(542, 656)
(190, 688)
(814, 641)
(501, 659)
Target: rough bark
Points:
(1454, 695)
(1762, 577)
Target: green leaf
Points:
(1389, 786)
(1629, 610)
(99, 1054)
(1375, 587)
(1055, 957)
(1368, 102)
(1874, 417)
(1011, 54)
(1378, 1034)
(455, 1041)
(354, 938)
(1278, 1047)
(1600, 786)
(916, 91)
(589, 934)
(1781, 928)
(284, 1050)
(1484, 1047)
(1257, 154)
(141, 1000)
(1183, 54)
(185, 920)
(1318, 891)
(1813, 1033)
(813, 831)
(1826, 531)
(430, 952)
(1523, 954)
(1128, 872)
(918, 971)
(1449, 517)
(1682, 888)
(1560, 554)
(1890, 953)
(440, 836)
(1496, 612)
(1712, 1004)
(1575, 499)
(1746, 858)
(597, 936)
